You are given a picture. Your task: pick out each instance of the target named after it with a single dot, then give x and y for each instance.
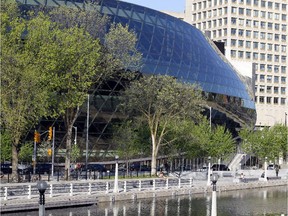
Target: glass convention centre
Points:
(171, 47)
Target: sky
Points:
(161, 5)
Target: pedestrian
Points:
(277, 170)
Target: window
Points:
(255, 56)
(255, 34)
(270, 25)
(277, 16)
(248, 33)
(283, 48)
(262, 46)
(270, 15)
(248, 44)
(233, 20)
(284, 7)
(233, 31)
(262, 89)
(276, 58)
(233, 10)
(241, 11)
(269, 68)
(261, 99)
(269, 78)
(276, 90)
(255, 2)
(277, 27)
(283, 59)
(283, 101)
(248, 55)
(262, 35)
(283, 69)
(263, 14)
(277, 6)
(276, 100)
(240, 43)
(233, 53)
(276, 69)
(263, 3)
(276, 79)
(262, 57)
(269, 47)
(248, 23)
(269, 36)
(262, 77)
(284, 27)
(241, 22)
(276, 47)
(256, 24)
(240, 54)
(262, 67)
(283, 90)
(255, 45)
(269, 57)
(255, 13)
(268, 100)
(283, 80)
(283, 38)
(270, 4)
(276, 37)
(263, 24)
(241, 32)
(269, 89)
(248, 12)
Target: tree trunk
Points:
(68, 151)
(154, 156)
(14, 162)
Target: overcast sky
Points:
(161, 5)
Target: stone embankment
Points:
(25, 196)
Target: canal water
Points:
(264, 201)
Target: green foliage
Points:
(75, 153)
(5, 147)
(269, 142)
(26, 152)
(158, 101)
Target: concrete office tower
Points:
(255, 37)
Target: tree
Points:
(24, 90)
(86, 61)
(157, 100)
(6, 147)
(26, 152)
(268, 142)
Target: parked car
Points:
(220, 167)
(6, 168)
(43, 168)
(273, 167)
(96, 167)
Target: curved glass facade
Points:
(172, 47)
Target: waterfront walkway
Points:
(25, 196)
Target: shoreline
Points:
(64, 200)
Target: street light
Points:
(42, 185)
(214, 195)
(209, 167)
(116, 190)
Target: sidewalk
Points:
(83, 196)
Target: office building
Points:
(255, 37)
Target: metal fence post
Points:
(179, 183)
(51, 190)
(140, 185)
(154, 184)
(89, 189)
(71, 189)
(107, 187)
(191, 182)
(167, 183)
(6, 193)
(125, 186)
(29, 191)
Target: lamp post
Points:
(116, 190)
(209, 167)
(42, 185)
(214, 195)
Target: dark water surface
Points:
(265, 201)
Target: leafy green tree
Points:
(24, 90)
(5, 147)
(26, 152)
(158, 100)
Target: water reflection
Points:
(269, 201)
